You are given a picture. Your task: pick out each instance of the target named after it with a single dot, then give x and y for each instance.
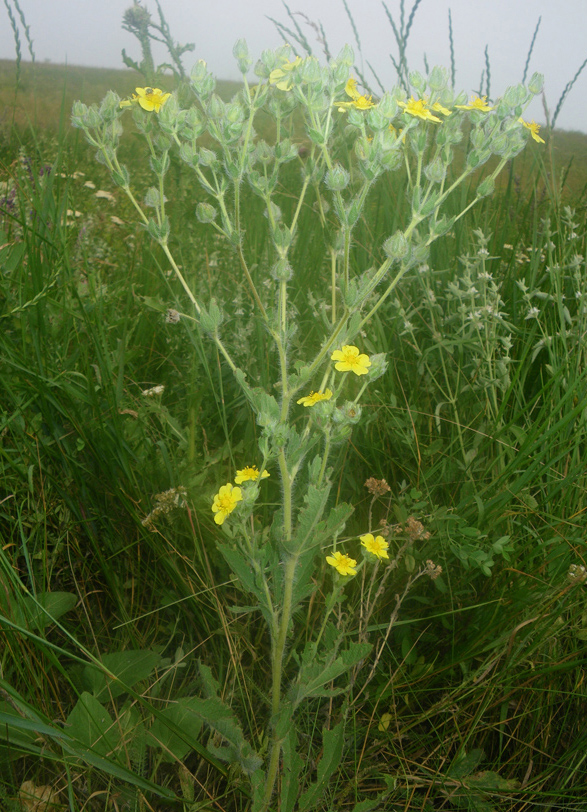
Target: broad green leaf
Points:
(465, 763)
(128, 666)
(90, 725)
(332, 741)
(182, 715)
(366, 806)
(489, 781)
(37, 613)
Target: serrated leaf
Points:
(332, 741)
(315, 676)
(308, 517)
(241, 567)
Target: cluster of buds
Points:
(577, 574)
(377, 487)
(433, 570)
(164, 503)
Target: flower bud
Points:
(215, 107)
(205, 213)
(152, 198)
(535, 84)
(337, 178)
(240, 52)
(110, 106)
(387, 106)
(438, 79)
(211, 319)
(378, 366)
(435, 171)
(207, 157)
(418, 81)
(264, 153)
(281, 236)
(348, 414)
(396, 247)
(282, 271)
(311, 72)
(346, 56)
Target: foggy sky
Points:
(89, 33)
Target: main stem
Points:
(279, 642)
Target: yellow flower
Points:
(384, 722)
(534, 128)
(376, 546)
(315, 397)
(225, 502)
(476, 103)
(438, 108)
(149, 98)
(350, 360)
(358, 101)
(342, 563)
(249, 473)
(419, 109)
(280, 76)
(351, 88)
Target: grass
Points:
(479, 428)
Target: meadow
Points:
(137, 657)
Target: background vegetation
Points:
(479, 427)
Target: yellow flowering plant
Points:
(309, 411)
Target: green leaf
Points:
(290, 774)
(308, 517)
(221, 718)
(332, 741)
(128, 667)
(366, 806)
(91, 725)
(465, 763)
(241, 567)
(314, 676)
(182, 715)
(37, 613)
(489, 782)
